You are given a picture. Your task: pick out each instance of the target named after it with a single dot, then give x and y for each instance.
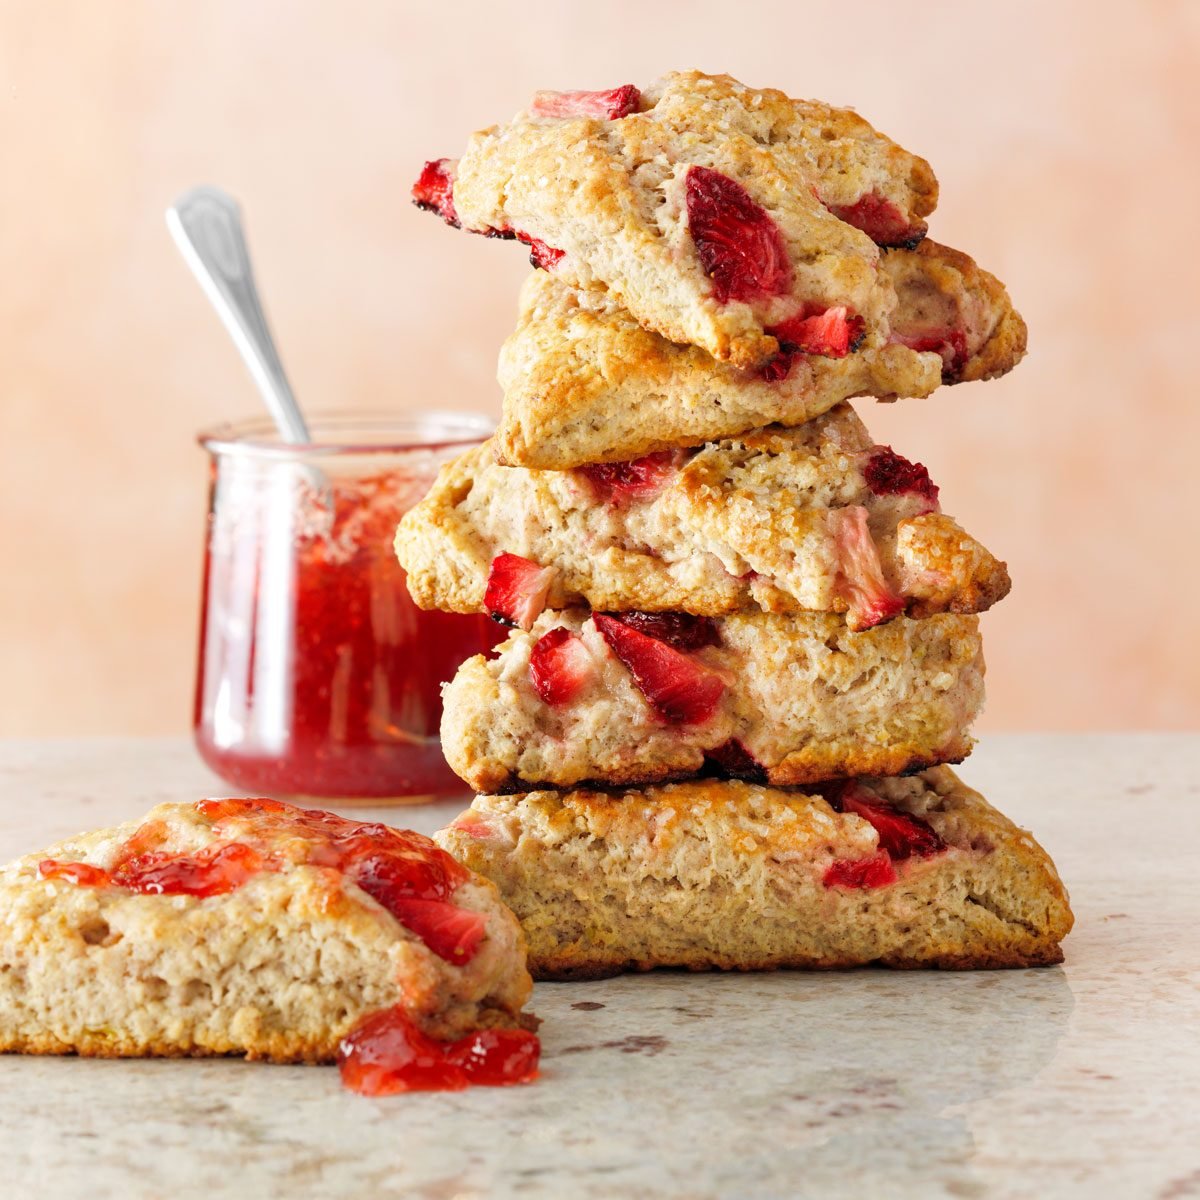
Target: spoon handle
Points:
(207, 227)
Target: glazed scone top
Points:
(621, 201)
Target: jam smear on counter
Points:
(386, 1053)
(404, 872)
(318, 674)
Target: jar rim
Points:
(349, 432)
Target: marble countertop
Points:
(1074, 1081)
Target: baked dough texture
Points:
(806, 698)
(759, 521)
(732, 876)
(610, 194)
(281, 968)
(584, 382)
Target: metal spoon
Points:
(206, 224)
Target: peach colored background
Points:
(1065, 137)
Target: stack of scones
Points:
(745, 636)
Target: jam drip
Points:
(386, 1053)
(403, 871)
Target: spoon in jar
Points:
(206, 224)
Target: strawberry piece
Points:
(621, 483)
(681, 630)
(890, 474)
(516, 590)
(880, 220)
(869, 599)
(679, 689)
(831, 333)
(497, 1057)
(608, 106)
(900, 834)
(739, 245)
(734, 759)
(779, 367)
(951, 344)
(874, 872)
(434, 190)
(386, 1053)
(540, 255)
(452, 933)
(560, 666)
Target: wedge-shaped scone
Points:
(584, 382)
(247, 927)
(818, 518)
(917, 872)
(644, 698)
(719, 215)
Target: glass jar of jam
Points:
(318, 677)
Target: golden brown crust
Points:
(728, 876)
(805, 697)
(583, 382)
(747, 523)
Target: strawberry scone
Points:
(641, 697)
(585, 383)
(251, 927)
(721, 216)
(916, 872)
(817, 518)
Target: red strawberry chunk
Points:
(681, 630)
(779, 367)
(516, 590)
(874, 872)
(452, 933)
(540, 255)
(869, 599)
(608, 106)
(621, 483)
(890, 474)
(677, 687)
(880, 220)
(739, 245)
(434, 190)
(734, 759)
(951, 344)
(832, 333)
(560, 666)
(900, 834)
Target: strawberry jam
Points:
(318, 676)
(403, 871)
(386, 1053)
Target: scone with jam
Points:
(720, 216)
(251, 927)
(634, 697)
(818, 518)
(585, 383)
(915, 872)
